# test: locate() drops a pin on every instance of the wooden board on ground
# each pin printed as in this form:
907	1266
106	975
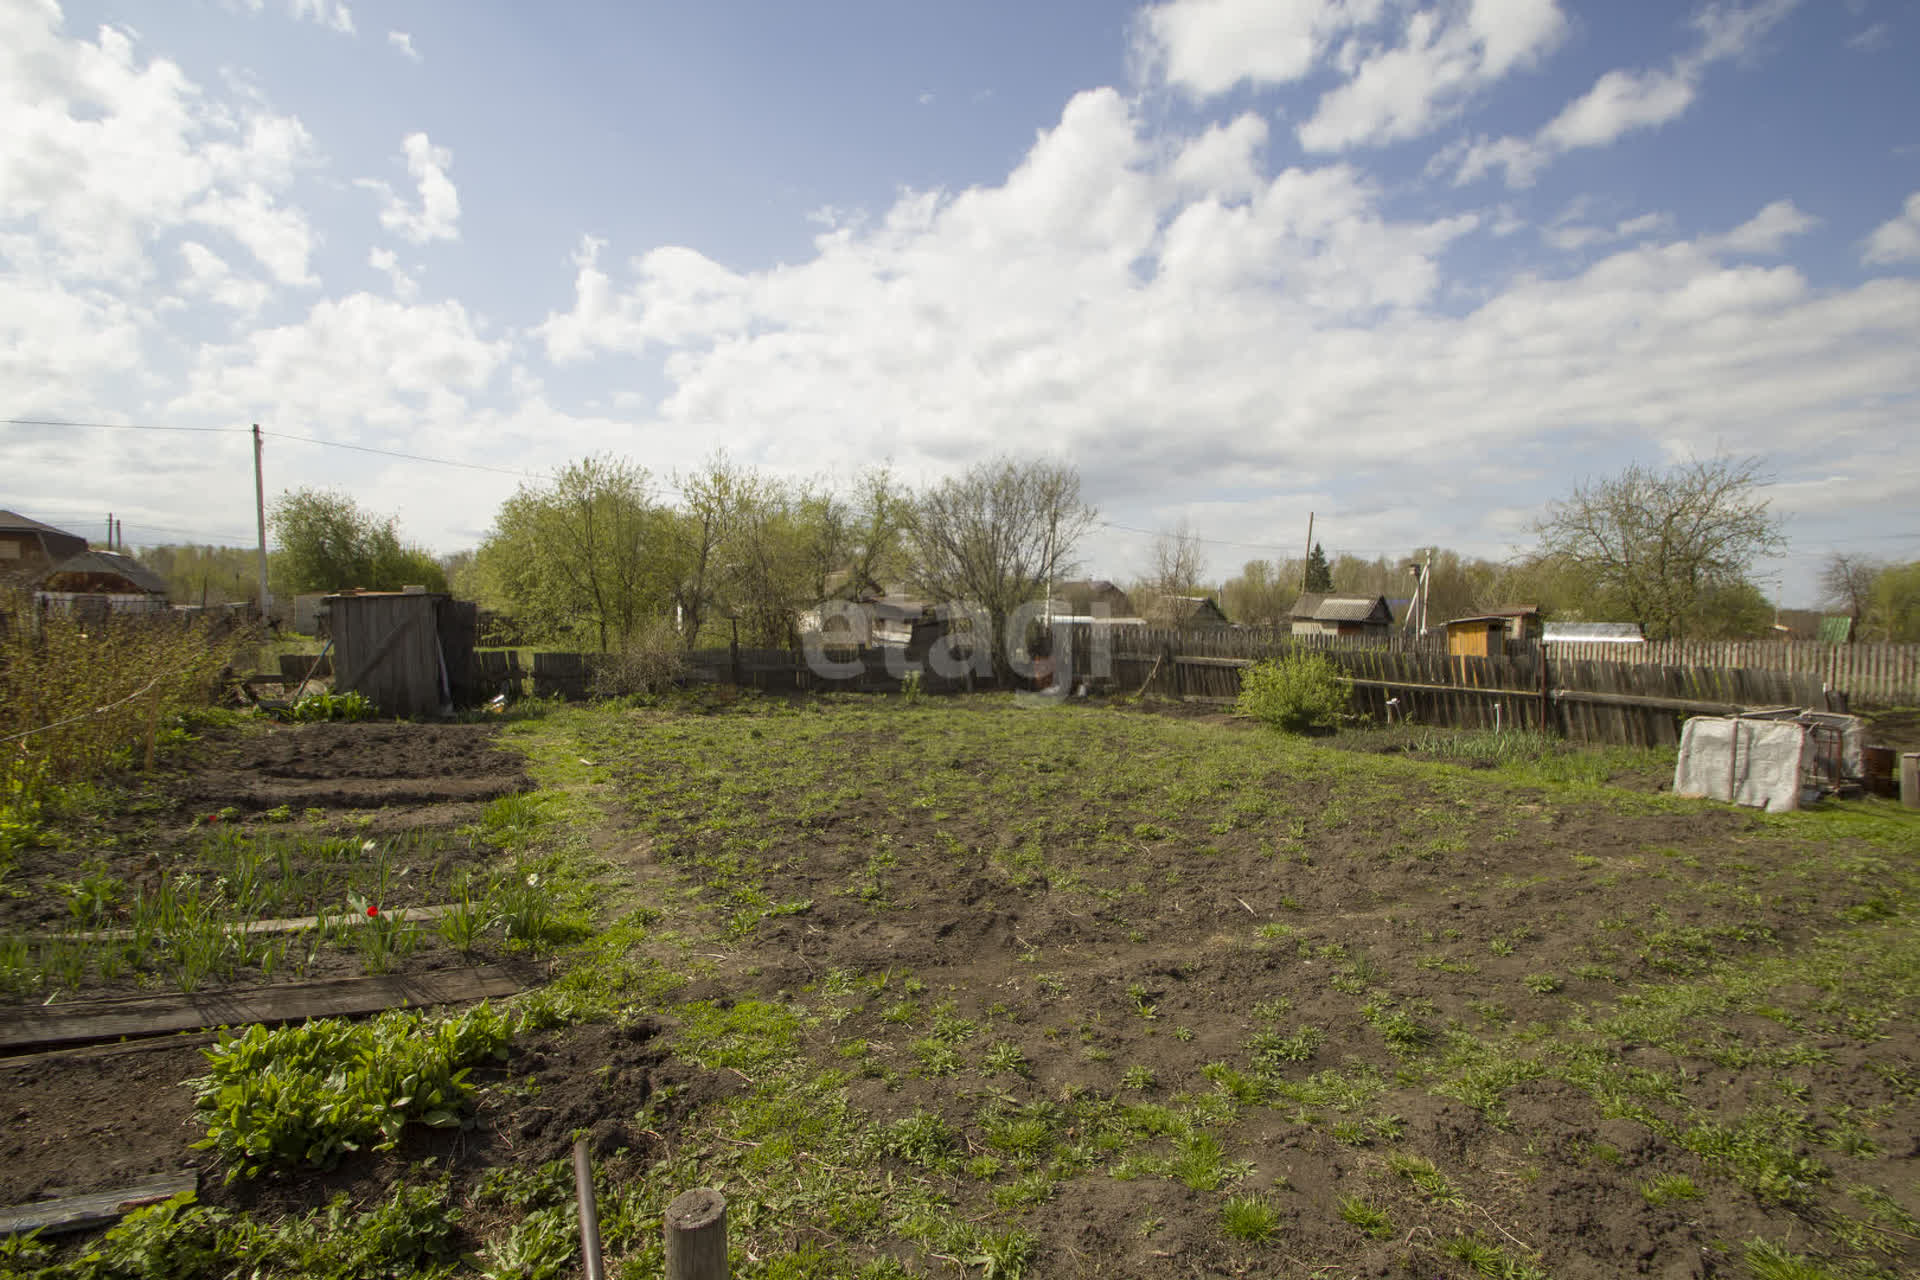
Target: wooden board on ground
95	1209
83	1022
294	924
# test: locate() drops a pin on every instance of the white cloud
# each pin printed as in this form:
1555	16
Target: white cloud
1872	39
1101	305
1398	83
1766	234
355	359
1444	57
438	217
387	262
1622	102
209	276
1897	240
1225	160
327	13
1206	47
403	42
105	154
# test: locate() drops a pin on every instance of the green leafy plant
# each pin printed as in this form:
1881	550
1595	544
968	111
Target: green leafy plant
1294	693
311	1093
1369	1218
315	708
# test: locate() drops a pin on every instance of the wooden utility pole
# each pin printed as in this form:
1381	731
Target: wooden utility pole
260	515
1306	564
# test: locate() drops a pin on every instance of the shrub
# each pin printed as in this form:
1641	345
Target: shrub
1294	693
649	662
80	697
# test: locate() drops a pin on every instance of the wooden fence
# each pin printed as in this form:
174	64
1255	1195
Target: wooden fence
1554	688
1878	673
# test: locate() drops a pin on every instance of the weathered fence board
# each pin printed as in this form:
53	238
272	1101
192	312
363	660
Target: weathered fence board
1873	672
50	1026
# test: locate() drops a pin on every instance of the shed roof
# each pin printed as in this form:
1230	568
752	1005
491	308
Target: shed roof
112	562
1614	632
1351	609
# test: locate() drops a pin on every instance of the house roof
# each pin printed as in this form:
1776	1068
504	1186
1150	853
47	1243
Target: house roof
1480	617
111	563
14	522
1349	609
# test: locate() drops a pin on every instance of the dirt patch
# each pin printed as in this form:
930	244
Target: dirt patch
359	766
77	1123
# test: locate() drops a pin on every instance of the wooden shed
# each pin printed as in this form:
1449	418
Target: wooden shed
1491	635
409	652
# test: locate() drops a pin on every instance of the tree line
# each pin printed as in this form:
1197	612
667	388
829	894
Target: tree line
607	555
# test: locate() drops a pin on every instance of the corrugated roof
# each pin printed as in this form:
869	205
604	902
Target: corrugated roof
1625	632
112	562
1351	609
1306	603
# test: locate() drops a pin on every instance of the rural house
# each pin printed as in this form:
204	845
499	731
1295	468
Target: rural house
1084	596
1315	614
96	583
28	549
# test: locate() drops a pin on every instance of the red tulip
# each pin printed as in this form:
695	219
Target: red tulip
373	911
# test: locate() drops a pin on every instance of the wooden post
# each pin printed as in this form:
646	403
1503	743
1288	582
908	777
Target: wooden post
153	725
733	651
1546	690
696	1226
1910	779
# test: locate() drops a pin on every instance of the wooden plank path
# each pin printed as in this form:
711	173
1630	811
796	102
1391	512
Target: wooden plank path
97	1208
88	1021
288	924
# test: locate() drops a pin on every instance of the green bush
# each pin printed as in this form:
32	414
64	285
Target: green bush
1294	693
309	1094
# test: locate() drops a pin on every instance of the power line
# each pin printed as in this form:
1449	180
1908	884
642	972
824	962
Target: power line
410	457
111	426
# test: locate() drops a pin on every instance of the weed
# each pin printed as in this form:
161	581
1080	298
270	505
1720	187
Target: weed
1137	1078
1669	1188
1372	1220
1488	1259
1425	1178
1541	984
1250	1218
1006	1058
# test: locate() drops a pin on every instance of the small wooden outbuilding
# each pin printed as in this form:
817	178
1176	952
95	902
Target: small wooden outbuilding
409	652
1489	635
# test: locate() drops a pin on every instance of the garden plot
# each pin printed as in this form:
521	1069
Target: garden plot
1155	996
314	852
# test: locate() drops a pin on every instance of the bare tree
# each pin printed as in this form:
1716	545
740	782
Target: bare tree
1178	563
1657	542
996	536
1846	584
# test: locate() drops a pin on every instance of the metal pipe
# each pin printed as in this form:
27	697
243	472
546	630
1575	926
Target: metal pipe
589	1215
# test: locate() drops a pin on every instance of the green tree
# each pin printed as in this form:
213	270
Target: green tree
326	542
204	574
1263	593
590	553
1658	542
1319	572
1893	608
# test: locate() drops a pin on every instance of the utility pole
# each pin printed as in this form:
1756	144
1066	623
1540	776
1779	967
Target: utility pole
1306	561
260	514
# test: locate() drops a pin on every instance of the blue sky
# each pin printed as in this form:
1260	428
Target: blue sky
1417	266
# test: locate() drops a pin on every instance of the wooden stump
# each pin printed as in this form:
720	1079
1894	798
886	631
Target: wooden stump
696	1226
